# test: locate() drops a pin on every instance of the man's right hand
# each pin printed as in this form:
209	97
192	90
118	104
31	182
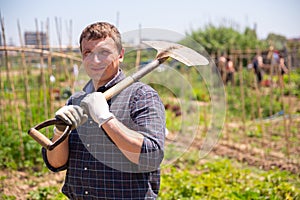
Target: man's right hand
72	115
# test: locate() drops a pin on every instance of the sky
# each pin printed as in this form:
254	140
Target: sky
270	16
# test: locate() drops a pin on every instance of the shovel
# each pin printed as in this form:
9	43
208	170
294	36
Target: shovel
164	49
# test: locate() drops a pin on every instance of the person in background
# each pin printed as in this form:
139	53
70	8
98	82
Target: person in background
116	147
222	67
282	70
230	70
257	65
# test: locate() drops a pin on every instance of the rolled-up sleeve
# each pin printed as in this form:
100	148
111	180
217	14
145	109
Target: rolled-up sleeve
147	111
49	166
44	152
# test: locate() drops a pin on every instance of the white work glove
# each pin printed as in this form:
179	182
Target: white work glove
96	105
72	115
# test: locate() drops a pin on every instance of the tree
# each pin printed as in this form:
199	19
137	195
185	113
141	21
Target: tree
277	41
214	39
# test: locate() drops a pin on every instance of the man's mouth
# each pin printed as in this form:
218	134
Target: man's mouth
98	68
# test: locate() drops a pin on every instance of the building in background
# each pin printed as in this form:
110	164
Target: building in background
33	39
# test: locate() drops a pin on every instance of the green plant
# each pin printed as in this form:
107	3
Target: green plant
7	197
45	193
221	179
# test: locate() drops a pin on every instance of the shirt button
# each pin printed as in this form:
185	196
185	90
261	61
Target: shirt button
86	192
91	122
88	145
85	168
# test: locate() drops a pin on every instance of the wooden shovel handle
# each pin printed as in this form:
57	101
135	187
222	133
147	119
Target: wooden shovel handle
42	139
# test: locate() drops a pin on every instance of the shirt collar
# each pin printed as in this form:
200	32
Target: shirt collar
89	87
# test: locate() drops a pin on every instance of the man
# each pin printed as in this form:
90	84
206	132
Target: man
115	148
258	65
230	70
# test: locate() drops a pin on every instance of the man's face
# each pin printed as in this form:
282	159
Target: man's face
101	59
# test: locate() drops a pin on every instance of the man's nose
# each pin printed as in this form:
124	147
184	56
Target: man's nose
96	58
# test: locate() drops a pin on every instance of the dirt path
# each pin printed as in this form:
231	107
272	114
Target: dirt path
19	184
256	157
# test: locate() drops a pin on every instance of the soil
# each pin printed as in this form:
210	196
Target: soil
19	184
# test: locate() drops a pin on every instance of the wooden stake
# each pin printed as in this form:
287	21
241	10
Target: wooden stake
252	77
242	92
286	134
289	112
44	88
24	72
138	52
17	111
59	35
259	109
72	77
50	71
271	84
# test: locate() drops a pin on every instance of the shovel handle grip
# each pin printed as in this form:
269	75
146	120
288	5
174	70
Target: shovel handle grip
42	139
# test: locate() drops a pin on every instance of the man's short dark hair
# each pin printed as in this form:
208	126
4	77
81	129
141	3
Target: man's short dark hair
101	30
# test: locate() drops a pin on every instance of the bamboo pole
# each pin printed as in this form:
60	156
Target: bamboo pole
242	92
11	82
24	72
271	57
289	112
138	52
50	70
259	109
228	92
39	51
252	77
44	88
286	134
59	35
70	48
271	84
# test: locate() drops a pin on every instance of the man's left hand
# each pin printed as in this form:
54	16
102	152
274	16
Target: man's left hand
96	105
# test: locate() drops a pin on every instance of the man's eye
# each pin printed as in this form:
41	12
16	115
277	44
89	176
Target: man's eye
102	53
105	52
86	53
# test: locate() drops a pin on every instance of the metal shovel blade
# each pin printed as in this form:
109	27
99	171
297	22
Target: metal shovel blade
179	52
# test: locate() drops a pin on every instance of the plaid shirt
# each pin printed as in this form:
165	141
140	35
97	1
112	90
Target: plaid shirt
96	168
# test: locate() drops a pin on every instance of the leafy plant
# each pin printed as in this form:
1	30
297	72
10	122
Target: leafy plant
46	193
221	179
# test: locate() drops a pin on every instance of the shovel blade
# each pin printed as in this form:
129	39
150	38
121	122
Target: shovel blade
179	52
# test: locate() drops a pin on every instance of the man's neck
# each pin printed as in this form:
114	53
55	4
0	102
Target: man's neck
104	83
99	84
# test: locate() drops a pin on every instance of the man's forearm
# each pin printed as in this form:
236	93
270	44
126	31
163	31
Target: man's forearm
128	141
59	155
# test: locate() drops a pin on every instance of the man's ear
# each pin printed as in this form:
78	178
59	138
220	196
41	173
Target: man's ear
121	55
